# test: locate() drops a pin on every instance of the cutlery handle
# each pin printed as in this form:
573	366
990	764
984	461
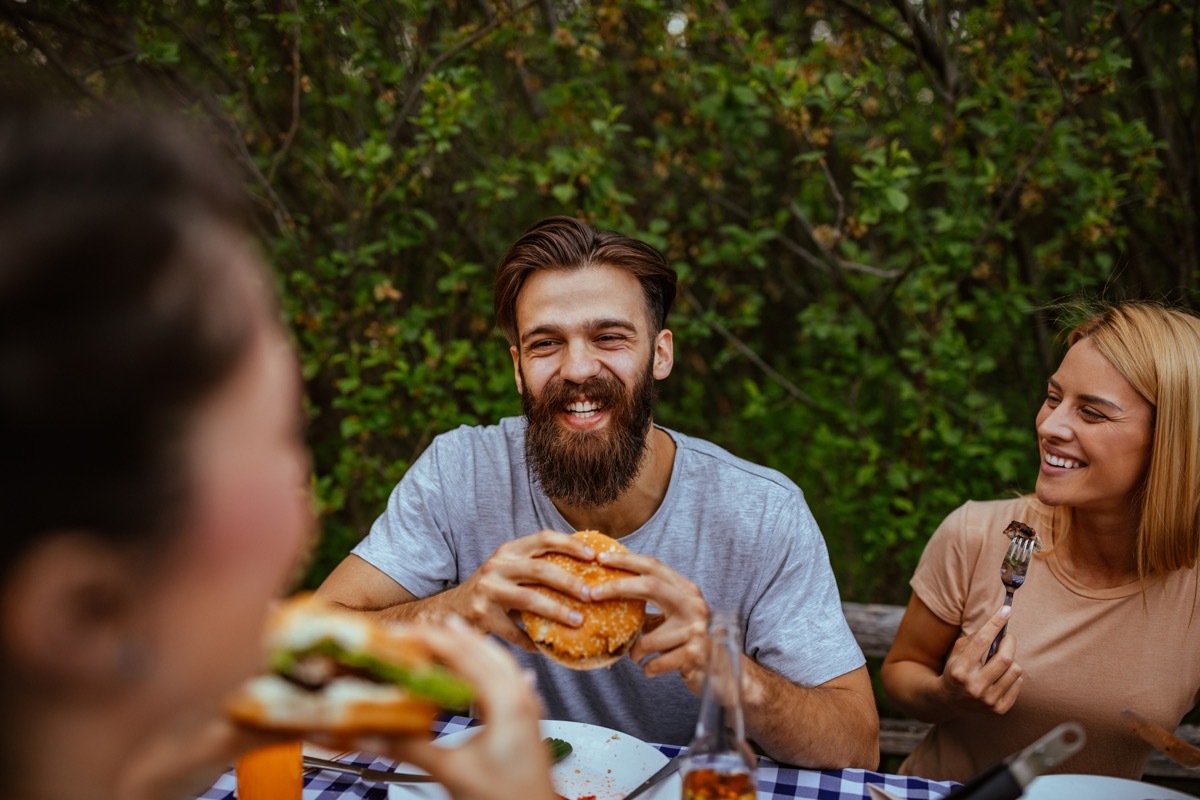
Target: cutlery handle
1008	598
996	643
994	783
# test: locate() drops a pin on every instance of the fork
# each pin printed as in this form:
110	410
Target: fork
1012	575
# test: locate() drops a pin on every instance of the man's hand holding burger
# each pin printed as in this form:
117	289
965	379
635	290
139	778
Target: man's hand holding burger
502	587
674	639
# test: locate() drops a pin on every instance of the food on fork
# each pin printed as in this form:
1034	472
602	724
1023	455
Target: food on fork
610	627
1016	529
342	673
1023	542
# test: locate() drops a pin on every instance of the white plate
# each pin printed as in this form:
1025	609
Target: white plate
604	763
1097	787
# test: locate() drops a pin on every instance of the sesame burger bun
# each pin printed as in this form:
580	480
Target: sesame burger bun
343	674
610	627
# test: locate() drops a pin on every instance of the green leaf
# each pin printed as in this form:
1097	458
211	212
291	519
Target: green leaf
896	198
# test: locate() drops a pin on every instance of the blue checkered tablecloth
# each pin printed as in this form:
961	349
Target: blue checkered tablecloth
775	781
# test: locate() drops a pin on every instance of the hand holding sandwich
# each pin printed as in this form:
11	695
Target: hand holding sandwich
501	588
674	639
507	759
351	682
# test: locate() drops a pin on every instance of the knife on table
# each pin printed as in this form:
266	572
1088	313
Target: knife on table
367	773
667	769
558	750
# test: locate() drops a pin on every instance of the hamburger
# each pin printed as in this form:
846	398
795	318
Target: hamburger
342	673
610	627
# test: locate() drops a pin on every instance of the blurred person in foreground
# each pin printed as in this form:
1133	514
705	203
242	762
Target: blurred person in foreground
154	475
1107	616
584	312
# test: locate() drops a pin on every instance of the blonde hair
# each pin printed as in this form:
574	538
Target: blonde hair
1157	349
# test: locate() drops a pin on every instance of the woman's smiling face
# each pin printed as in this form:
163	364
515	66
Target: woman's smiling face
1094	435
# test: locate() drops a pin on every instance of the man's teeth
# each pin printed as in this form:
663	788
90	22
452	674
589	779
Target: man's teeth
1068	463
584	409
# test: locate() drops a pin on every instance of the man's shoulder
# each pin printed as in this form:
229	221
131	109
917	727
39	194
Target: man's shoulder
727	468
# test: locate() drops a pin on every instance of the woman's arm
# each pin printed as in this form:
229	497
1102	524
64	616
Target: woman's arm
933	674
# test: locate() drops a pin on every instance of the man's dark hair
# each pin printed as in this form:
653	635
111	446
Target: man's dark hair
119	315
566	243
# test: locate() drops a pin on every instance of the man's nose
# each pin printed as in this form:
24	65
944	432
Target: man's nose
579	363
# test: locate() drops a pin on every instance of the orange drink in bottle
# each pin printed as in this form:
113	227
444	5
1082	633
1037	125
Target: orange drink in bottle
271	773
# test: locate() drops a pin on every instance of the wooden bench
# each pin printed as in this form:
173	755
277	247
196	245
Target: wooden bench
874	626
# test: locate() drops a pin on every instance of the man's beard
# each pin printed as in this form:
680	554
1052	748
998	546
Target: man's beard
587	469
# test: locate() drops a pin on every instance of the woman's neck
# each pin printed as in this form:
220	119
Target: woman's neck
1101	551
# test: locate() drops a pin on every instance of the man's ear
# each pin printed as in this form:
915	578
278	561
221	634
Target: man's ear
664	354
67	615
515	352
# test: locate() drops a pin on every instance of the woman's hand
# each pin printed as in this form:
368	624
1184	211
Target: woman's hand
933	673
974	683
506	760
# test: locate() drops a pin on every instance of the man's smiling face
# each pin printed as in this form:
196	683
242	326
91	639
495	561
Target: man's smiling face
585	362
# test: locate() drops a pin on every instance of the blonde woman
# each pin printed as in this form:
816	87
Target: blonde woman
1106	618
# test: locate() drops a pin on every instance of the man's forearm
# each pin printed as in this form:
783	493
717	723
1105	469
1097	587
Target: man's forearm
358	585
434	608
832	726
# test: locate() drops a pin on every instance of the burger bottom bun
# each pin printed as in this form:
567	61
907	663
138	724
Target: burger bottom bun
610	628
585	662
346	707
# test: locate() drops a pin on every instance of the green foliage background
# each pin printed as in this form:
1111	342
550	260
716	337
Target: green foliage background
874	209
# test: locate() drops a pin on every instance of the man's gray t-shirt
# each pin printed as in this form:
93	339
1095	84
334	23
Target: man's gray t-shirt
741	532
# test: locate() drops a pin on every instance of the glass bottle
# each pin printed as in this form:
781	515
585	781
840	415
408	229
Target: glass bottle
719	764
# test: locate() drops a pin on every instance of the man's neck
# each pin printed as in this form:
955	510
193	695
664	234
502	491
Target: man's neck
639	502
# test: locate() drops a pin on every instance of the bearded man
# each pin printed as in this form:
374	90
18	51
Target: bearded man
585	314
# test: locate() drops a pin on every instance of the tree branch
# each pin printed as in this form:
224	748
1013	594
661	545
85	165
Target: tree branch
414	93
743	348
290	136
929	51
26	31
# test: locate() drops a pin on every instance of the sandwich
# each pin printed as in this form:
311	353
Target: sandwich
610	627
343	673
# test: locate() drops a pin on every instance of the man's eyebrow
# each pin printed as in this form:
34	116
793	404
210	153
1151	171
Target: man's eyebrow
591	325
1088	398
